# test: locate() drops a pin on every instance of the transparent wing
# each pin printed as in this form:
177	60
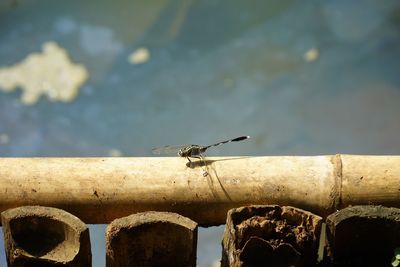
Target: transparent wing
167	150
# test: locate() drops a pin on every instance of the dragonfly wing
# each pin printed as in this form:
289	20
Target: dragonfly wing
167	150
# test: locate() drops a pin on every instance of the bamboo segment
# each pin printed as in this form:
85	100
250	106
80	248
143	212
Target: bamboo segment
44	236
363	236
151	239
99	190
270	235
370	180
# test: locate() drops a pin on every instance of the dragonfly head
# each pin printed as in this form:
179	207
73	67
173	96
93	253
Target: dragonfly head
185	152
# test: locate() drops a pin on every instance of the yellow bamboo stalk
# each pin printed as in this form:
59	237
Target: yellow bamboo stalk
99	190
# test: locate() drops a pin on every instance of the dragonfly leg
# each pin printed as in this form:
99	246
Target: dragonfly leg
205	172
203	163
197	157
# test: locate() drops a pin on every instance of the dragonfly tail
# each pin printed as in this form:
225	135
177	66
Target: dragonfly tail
237	139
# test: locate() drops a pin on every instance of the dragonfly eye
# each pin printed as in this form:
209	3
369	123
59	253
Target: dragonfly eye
180	152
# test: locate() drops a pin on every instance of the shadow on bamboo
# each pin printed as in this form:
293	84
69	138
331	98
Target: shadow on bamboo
208	165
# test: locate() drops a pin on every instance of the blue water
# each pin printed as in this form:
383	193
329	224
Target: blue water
217	69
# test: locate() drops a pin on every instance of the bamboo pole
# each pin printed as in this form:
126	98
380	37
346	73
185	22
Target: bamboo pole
99	190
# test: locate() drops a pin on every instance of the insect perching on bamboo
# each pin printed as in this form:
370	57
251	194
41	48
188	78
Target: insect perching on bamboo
194	151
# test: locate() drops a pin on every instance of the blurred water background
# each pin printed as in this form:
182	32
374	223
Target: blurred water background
299	77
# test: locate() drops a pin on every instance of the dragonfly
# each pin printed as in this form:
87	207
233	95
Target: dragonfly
193	151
